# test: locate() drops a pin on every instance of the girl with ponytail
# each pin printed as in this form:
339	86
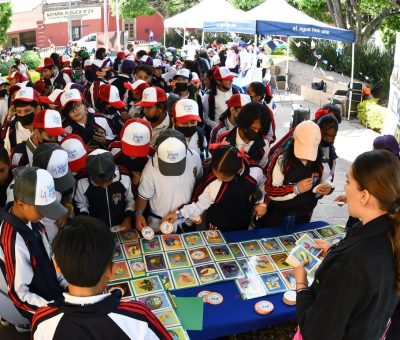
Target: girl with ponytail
357	286
230	192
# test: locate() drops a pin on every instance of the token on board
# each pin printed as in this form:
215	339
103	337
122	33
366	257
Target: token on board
203	294
214	298
263	307
167	227
289	297
148	233
138	266
116	228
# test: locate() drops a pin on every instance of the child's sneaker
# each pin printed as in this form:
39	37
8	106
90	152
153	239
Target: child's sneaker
23	328
4	322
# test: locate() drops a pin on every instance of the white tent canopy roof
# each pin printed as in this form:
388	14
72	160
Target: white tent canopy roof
207	10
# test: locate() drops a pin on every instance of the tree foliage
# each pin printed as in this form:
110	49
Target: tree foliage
5	21
246	5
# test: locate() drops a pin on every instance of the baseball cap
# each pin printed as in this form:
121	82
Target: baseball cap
186	109
53	158
387	142
77	152
85	54
50	121
26	94
53	98
152	96
223	73
100	165
195	78
307	137
121	55
138	86
146	59
65	59
17	76
72	95
154	49
36	186
184	73
238	100
87	63
14	88
98	64
157	63
47	62
109	93
135	138
171	153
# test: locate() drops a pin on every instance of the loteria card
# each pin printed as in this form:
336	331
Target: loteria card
326	232
262	264
167	317
137	266
165	278
312	233
208	273
177	259
341	229
271	245
172	242
236	250
132	250
247	268
128	235
123	287
300	254
308	243
199	255
288	242
280	261
120	271
251	287
252	248
193	240
274	283
155	301
151	246
336	239
178	333
118	253
155	262
147	285
230	269
221	252
184	278
213	236
288	278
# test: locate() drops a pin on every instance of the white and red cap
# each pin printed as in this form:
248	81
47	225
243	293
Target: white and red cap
50	121
157	63
184	73
65	60
26	94
53	98
18	76
87	63
238	100
72	95
76	150
138	86
152	96
135	138
195	78
185	110
46	63
98	64
223	73
109	94
146	59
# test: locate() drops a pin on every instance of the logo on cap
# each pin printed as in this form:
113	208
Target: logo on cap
48	194
172	155
146	95
187	107
137	138
56	120
68	95
58	170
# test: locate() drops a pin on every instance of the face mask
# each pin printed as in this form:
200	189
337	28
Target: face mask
188	131
152	119
110	111
180	87
325	144
27	119
108	74
250	134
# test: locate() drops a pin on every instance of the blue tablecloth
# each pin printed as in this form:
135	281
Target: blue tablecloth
235	315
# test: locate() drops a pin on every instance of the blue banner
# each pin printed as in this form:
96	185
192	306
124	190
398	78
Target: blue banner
245	26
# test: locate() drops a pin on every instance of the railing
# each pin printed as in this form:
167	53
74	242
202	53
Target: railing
47	51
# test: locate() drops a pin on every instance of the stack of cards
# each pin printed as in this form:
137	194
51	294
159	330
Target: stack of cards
300	254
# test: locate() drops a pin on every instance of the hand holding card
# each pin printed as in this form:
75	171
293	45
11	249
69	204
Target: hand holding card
300	255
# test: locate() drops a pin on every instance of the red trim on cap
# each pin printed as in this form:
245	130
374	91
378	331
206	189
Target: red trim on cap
135	150
146	104
78	164
118	104
184	119
55	132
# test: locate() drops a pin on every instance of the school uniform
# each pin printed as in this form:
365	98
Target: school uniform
93	92
160	82
214	106
22	154
97	317
110	204
130	163
119	82
156	131
194	143
221	128
15	134
353	294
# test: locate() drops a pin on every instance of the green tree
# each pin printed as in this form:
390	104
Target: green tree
246	5
5	21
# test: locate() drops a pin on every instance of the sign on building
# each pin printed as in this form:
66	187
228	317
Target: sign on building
86	13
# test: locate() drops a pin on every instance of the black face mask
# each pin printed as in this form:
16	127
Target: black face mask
180	87
188	131
27	119
152	119
250	134
110	111
325	144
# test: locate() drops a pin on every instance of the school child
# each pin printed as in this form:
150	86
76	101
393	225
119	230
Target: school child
83	253
25	254
127	68
227	121
94	129
16	77
167	180
154	103
144	72
24	105
157	79
77	153
52	101
134	96
186	119
329	127
293	178
252	124
51	75
229	194
47	127
5	175
104	191
101	72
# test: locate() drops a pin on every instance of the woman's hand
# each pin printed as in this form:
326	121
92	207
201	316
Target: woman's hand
322	245
260	210
171	217
305	184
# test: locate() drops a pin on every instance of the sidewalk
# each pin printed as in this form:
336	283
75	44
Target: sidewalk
352	139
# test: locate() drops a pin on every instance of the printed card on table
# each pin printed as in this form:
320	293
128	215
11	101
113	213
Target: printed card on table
221	252
177	259
252	248
213	237
172	242
155	262
208	273
271	245
138	267
236	250
326	232
230	269
147	285
311	233
167	317
262	264
341	229
308	243
251	287
280	261
199	255
151	246
165	277
193	240
118	254
120	271
289	278
128	235
336	239
178	333
274	283
247	268
300	254
132	250
288	241
184	278
155	301
123	287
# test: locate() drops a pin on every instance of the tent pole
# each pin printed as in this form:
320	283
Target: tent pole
351	79
287	64
184	36
164	36
202	38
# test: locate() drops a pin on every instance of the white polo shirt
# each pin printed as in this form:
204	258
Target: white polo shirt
156	131
168	193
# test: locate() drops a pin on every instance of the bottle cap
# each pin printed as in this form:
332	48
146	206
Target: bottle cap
137	266
148	233
203	294
289	298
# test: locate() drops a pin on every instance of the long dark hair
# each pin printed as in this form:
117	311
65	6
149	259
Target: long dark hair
250	113
226	159
260	90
